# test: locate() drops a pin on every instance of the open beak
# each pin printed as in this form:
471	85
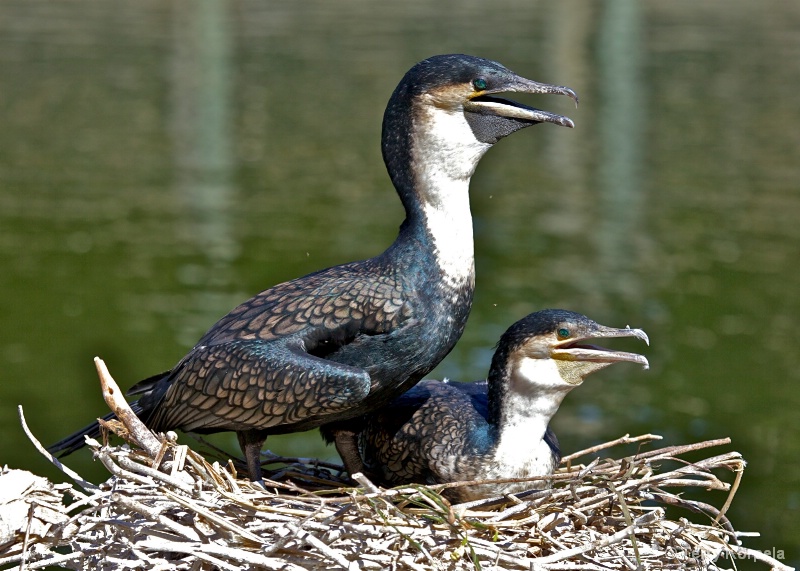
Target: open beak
484	103
577	350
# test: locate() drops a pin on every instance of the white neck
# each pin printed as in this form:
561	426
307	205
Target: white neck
451	231
535	392
445	155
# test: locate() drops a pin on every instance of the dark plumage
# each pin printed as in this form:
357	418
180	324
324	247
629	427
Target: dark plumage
335	344
440	432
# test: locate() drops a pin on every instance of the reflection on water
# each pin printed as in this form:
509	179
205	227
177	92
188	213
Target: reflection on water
619	185
204	164
162	162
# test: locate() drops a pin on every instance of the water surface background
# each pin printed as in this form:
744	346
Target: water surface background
162	161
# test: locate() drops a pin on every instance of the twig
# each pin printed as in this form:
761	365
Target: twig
324	549
115	400
627	514
155	516
757	555
731	494
196	550
56	559
692	505
53	460
166	479
364	481
627	439
671	451
27	537
212	517
645	519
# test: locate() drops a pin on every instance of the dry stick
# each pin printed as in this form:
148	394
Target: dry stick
644	519
54	560
627	439
268	457
119	472
200	468
318	544
233	487
115	400
410	489
500	498
763	557
671	451
27	537
366	483
53	460
731	460
292	487
161	477
90	501
190	549
165	445
521	507
178	459
275	459
212	517
688	483
626	512
734	487
693	506
154	515
127	542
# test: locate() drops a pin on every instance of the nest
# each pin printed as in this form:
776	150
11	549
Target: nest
166	506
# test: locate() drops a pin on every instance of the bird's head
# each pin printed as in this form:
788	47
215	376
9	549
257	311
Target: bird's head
553	349
445	114
468	86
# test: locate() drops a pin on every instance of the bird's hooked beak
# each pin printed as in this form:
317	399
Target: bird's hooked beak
575	348
483	102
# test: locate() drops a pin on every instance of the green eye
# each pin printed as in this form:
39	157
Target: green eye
479	84
563	333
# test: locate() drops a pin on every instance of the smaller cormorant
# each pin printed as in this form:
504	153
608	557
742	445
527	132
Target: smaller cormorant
441	431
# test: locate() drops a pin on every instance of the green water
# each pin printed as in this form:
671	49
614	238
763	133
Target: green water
161	162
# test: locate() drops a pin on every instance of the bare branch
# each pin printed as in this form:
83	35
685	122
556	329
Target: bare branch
115	400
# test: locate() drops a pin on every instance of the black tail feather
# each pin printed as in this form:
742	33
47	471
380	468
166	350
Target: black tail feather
77	440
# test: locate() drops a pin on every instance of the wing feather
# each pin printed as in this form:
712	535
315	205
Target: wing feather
245	385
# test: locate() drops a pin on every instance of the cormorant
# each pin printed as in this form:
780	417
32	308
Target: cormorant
340	342
441	431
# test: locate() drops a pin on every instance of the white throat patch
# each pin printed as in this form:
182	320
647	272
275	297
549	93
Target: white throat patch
445	156
535	392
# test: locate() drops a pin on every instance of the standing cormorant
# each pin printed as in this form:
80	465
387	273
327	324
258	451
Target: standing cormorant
440	432
343	341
